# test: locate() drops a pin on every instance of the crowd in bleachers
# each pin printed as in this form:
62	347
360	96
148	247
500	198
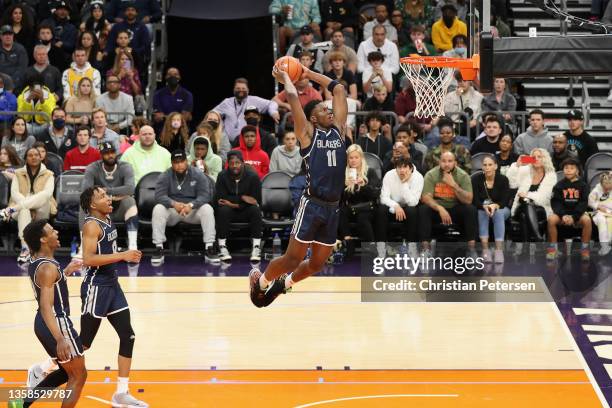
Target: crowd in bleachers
471	172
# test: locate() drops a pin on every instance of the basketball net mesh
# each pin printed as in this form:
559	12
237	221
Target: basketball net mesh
430	85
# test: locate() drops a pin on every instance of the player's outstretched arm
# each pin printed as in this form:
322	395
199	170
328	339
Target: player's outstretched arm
339	103
46	276
300	122
91	234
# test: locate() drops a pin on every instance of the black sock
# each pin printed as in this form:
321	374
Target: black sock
53	380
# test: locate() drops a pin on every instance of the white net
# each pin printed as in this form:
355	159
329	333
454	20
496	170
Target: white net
430	85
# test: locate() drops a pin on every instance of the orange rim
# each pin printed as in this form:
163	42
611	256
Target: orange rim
468	66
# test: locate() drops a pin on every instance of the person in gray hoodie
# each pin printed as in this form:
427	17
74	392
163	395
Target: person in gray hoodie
201	155
183	194
536	135
286	157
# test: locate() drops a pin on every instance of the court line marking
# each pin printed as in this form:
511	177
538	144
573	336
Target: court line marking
253	382
580	356
312	404
99	400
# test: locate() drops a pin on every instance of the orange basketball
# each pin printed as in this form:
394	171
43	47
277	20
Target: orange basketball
291	66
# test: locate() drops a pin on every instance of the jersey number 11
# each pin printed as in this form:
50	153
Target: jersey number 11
331	158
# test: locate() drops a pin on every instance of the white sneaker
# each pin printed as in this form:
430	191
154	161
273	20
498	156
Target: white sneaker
35	376
224	254
413	251
126	400
486	255
499	256
255	254
605	249
24	255
381	249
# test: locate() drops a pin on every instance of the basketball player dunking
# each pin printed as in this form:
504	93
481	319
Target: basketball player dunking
321	135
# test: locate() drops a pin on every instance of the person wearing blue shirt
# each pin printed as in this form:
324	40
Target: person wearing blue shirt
140	40
8	102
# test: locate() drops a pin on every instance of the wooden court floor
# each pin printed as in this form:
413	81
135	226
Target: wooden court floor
369	354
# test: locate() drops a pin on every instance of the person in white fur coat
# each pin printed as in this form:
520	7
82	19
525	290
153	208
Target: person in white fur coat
535	182
600	200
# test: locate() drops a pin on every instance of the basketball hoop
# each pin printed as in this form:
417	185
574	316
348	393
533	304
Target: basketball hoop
430	78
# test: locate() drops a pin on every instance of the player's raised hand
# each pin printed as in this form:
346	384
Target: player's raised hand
132	256
280	76
73	266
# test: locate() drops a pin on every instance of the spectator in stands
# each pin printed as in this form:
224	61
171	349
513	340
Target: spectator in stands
503	29
9	162
140	39
490	143
203	130
536	135
374	141
88	41
172	98
100	131
296	14
79	69
447	198
350	56
8	103
127	142
57	137
148	11
306	58
18	137
97	22
405	101
535	183
307	44
175	134
54	166
36	97
569	204
80	106
253	155
183	194
500	100
286	157
146	156
399	151
578	140
57	57
418	43
20	21
419	12
380	19
128	75
600	200
83	154
446	28
31	196
492	200
358	201
404	147
560	151
232	109
379	101
339	15
339	71
64	32
397	20
237	196
219	139
375	74
506	155
379	43
464	99
268	141
306	93
459	50
52	77
461	7
447	144
115	101
122	43
117	178
13	56
203	157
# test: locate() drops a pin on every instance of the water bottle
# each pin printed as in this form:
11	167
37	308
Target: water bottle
74	247
276	246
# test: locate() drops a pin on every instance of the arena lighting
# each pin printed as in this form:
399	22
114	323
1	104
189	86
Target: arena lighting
552	9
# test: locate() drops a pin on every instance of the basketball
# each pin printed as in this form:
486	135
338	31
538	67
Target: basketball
291	66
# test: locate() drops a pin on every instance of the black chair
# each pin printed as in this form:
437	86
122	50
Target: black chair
145	197
560	175
374	163
594	180
55	163
597	162
477	161
276	199
67	194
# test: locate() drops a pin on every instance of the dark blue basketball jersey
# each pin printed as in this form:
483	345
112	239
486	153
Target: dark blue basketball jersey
325	163
105	275
61	304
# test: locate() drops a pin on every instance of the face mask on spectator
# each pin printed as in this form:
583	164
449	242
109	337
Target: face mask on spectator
460	50
59	123
172	81
213	124
252	121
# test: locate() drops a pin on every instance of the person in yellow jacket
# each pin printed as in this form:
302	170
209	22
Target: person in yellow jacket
79	69
443	30
36	97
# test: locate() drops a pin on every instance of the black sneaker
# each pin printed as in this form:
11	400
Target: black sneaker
158	257
275	289
257	294
211	256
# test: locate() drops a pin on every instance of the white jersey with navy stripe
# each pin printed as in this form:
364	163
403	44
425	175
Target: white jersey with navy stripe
325	164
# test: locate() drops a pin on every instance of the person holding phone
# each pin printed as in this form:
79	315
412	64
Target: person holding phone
534	176
36	97
128	75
